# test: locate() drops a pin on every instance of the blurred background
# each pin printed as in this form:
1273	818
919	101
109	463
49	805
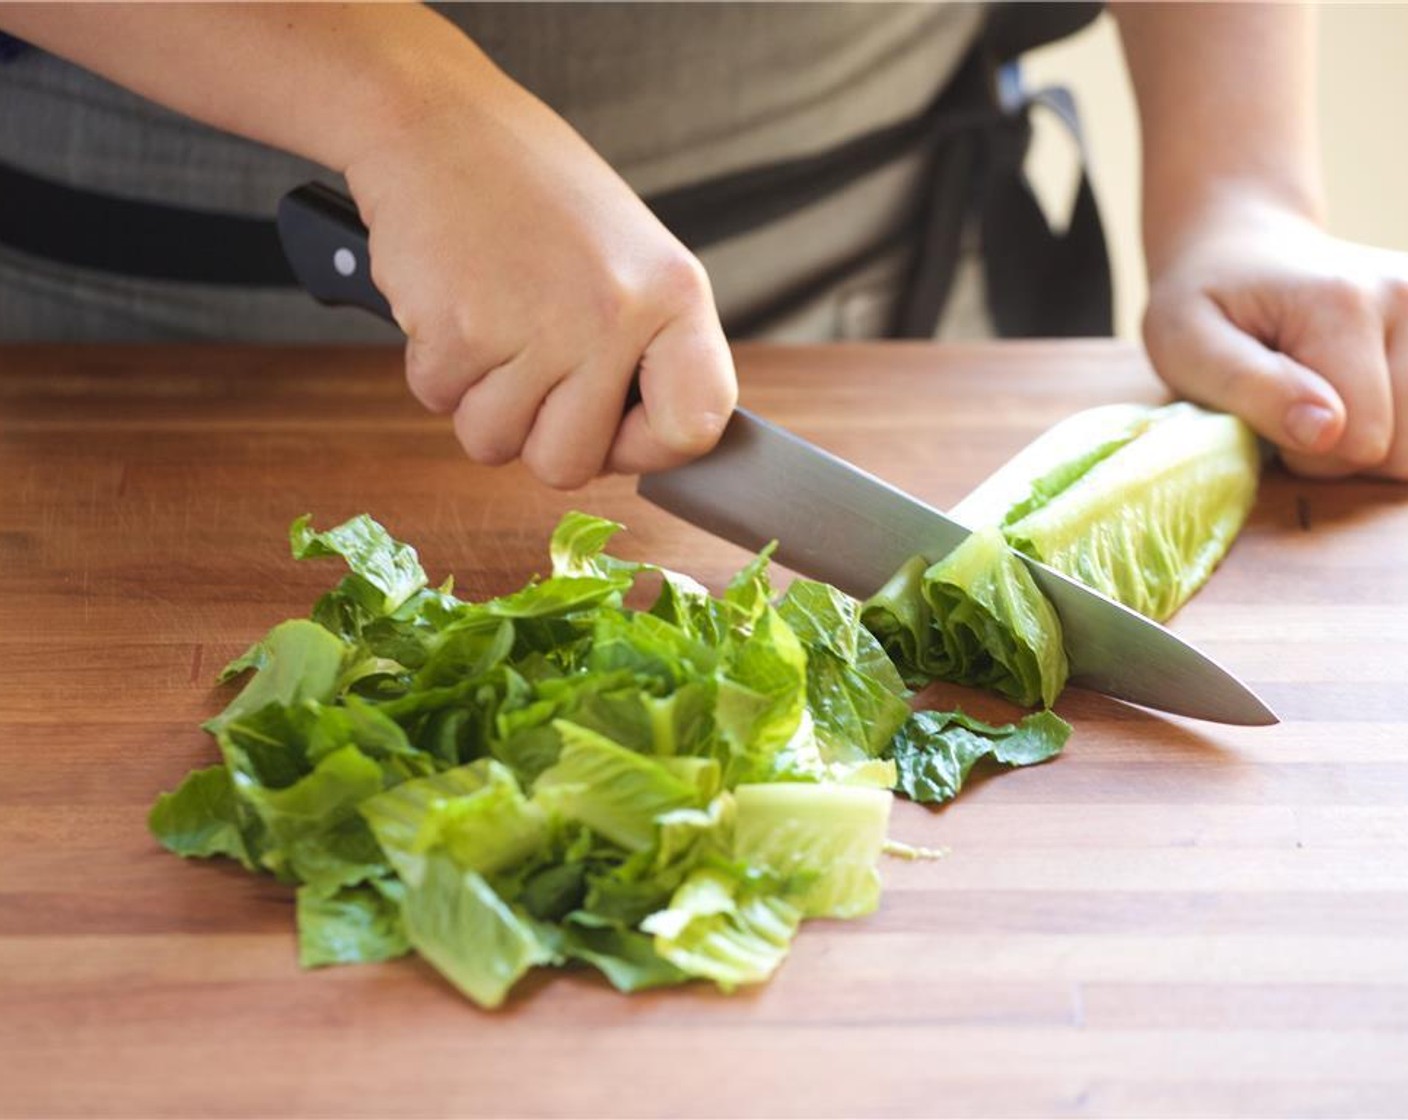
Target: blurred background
1363	86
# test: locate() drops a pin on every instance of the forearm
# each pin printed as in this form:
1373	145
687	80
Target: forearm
1226	98
534	287
318	80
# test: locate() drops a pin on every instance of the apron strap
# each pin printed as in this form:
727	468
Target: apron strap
1040	282
132	237
152	240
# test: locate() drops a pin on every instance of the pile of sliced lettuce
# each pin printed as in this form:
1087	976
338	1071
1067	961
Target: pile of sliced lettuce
1138	502
553	777
556	778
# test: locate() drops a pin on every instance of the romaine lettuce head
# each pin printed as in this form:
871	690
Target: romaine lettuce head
1051	462
1147	525
976	617
1140	503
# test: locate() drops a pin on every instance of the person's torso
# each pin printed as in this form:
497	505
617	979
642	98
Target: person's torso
670	94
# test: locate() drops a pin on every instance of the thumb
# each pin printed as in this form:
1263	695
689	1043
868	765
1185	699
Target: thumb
1208	359
688	389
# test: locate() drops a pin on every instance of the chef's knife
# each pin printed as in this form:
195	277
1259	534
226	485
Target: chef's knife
831	520
835	522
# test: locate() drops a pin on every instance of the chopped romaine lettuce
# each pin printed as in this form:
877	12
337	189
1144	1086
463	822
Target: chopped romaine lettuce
551	777
975	617
934	751
1139	503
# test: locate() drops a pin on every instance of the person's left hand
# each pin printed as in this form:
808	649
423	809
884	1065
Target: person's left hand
1259	312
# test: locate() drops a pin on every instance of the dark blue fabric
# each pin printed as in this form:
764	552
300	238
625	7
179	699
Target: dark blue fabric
10	47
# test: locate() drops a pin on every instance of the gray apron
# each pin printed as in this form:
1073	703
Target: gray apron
709	111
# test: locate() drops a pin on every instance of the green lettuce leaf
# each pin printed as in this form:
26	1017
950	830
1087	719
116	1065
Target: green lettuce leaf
686	604
355	925
1148	525
312	831
975	617
724	930
825	618
620	895
761	696
855	694
296	661
626	958
577	549
935	751
385	572
613	791
821	842
469	647
355	722
200	818
475	813
456	921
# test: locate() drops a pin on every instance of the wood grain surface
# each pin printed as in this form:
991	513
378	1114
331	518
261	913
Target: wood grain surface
1173	918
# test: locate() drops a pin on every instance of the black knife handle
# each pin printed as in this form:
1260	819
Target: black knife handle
326	246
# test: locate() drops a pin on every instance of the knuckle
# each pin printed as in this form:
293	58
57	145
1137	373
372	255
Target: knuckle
680	279
1396	297
612	301
488	453
699	431
1343	297
463	321
1367	445
556	472
1170	334
425	379
441	367
484	443
671	282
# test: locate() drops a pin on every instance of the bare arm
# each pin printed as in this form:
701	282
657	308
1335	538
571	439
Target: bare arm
1226	97
1253	307
314	79
530	280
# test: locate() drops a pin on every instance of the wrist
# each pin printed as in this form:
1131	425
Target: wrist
427	65
1225	206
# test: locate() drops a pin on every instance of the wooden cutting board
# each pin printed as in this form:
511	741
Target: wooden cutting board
1172	918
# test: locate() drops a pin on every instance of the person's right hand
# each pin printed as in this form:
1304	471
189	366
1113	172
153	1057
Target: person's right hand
533	286
531	282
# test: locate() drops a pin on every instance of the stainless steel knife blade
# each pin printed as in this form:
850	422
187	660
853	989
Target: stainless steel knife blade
835	522
832	521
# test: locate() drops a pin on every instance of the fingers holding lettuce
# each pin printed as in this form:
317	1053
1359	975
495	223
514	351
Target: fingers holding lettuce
1305	336
1253	307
